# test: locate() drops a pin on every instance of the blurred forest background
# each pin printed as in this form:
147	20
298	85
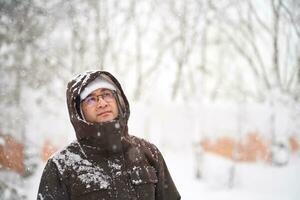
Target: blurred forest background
172	56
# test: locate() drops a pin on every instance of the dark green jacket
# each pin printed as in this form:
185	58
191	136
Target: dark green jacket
105	162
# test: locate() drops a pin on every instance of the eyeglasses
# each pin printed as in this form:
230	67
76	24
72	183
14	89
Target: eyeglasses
107	96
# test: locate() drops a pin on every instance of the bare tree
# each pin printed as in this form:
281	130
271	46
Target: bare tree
102	34
269	69
19	69
184	37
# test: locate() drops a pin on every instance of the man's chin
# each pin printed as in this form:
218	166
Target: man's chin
105	119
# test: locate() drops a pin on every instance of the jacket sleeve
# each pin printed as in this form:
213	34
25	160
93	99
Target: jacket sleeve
51	185
165	188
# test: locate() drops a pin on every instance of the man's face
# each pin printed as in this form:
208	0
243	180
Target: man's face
100	106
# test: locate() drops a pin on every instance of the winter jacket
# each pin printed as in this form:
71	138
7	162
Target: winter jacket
105	162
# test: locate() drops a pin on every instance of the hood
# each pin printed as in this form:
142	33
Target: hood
106	134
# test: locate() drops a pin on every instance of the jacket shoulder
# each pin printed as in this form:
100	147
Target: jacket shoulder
150	150
142	142
66	157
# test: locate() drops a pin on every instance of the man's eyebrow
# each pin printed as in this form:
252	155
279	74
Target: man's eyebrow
89	95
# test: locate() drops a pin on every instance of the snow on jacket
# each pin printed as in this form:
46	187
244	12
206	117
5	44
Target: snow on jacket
105	162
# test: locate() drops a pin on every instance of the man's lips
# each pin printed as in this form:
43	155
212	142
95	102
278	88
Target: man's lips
104	113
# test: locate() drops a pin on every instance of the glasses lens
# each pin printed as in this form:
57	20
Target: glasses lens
91	101
107	96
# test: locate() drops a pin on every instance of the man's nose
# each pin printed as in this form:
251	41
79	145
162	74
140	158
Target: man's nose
101	102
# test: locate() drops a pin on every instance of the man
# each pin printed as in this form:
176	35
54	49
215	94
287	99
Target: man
105	162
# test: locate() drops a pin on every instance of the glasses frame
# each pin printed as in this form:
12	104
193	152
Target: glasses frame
107	96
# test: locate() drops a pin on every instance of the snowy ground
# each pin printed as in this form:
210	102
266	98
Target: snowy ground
252	181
